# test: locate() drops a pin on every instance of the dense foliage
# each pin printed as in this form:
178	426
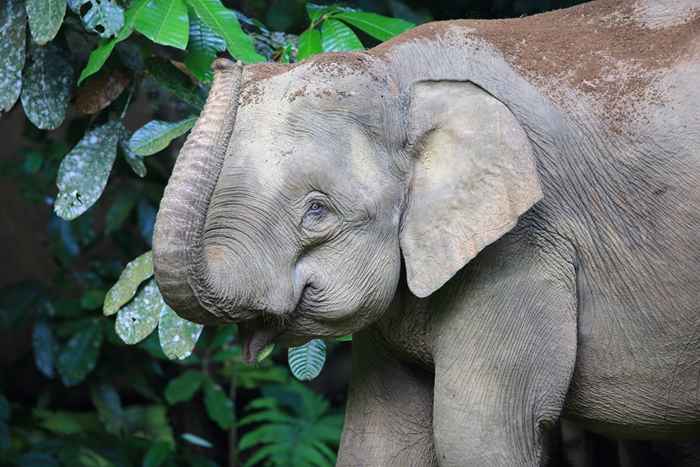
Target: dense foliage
86	66
108	88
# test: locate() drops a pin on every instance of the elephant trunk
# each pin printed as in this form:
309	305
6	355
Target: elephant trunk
181	268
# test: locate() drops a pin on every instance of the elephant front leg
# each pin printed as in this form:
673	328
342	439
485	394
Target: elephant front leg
388	420
504	358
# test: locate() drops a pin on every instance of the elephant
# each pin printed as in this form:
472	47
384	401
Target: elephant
504	214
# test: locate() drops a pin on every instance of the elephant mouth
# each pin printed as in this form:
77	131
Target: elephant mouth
255	337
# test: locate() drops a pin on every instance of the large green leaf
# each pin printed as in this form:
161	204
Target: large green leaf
45	347
99	56
306	361
377	26
202	49
103	17
156	135
165	22
183	387
177	335
45	18
157	454
171	78
309	44
79	356
125	288
219	406
140	316
47	83
337	37
13	24
83	173
225	23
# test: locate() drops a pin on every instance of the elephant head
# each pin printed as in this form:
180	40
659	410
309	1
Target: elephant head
302	187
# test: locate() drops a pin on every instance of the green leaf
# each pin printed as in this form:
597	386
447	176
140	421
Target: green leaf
13	24
177	335
140	317
99	56
150	422
378	26
219	406
92	299
61	423
309	44
47	84
164	22
265	352
337	37
157	454
156	135
109	408
347	338
119	211
125	288
177	82
45	18
79	356
134	160
103	17
45	348
37	459
202	49
196	440
184	387
225	23
306	361
83	173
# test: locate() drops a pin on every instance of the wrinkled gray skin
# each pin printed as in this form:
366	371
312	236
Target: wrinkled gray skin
512	236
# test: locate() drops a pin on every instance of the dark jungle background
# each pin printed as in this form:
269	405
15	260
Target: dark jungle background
72	393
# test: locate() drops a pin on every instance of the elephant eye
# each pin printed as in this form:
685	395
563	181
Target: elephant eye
316	209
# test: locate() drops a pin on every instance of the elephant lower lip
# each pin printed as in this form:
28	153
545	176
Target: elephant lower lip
254	339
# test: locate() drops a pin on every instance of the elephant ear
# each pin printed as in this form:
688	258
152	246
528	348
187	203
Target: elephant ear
474	174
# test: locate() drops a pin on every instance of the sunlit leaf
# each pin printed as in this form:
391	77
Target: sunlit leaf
45	347
104	17
265	352
138	318
156	135
337	37
13	23
83	173
99	56
177	335
309	44
196	440
164	22
219	406
202	49
45	18
125	288
378	26
79	356
224	22
183	387
306	361
171	78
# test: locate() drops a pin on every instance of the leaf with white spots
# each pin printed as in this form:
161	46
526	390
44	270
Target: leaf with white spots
306	361
125	288
83	173
45	18
140	317
156	135
13	24
47	82
177	336
79	356
103	17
